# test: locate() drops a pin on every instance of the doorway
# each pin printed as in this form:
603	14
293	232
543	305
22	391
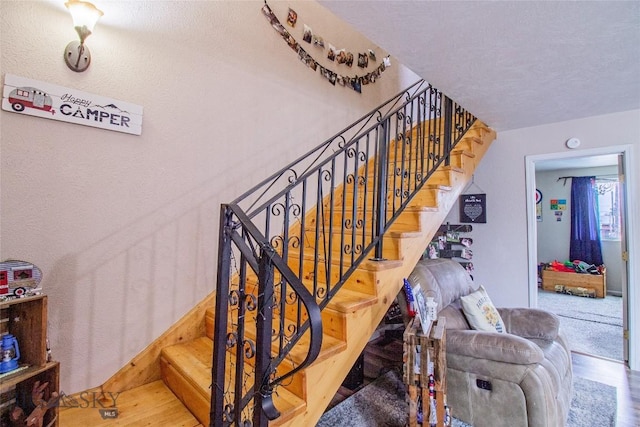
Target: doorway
554	166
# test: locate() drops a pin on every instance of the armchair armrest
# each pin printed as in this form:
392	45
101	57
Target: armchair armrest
531	323
493	346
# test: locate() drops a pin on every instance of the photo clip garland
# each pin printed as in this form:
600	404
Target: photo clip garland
334	78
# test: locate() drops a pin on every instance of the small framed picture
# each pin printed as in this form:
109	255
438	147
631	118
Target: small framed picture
292	17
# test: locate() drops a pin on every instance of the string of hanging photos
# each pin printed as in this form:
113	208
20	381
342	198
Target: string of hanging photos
340	56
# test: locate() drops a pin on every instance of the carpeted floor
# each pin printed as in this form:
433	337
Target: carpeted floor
592	325
382	404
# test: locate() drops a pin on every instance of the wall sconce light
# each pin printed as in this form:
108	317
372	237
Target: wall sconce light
85	15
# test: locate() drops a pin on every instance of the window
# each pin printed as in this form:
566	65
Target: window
609	207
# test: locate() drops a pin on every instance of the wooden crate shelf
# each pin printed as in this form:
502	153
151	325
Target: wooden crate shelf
26	319
421	350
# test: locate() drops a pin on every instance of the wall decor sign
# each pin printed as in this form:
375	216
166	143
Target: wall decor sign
41	99
473	208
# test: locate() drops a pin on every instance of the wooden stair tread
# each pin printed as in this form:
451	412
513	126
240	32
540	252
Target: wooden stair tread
309	255
152	404
464	152
348	301
438	187
421	209
193	360
382	265
453	168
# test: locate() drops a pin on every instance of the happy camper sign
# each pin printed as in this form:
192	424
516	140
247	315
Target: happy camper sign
40	99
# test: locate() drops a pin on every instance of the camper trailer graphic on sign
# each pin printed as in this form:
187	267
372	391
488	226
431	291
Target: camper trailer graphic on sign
18	278
45	100
30	97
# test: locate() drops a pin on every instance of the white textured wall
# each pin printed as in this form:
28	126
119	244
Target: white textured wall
125	227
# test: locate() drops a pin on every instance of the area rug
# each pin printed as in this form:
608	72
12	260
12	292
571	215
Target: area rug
592	325
382	404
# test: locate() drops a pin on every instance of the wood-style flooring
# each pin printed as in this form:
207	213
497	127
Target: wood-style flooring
615	374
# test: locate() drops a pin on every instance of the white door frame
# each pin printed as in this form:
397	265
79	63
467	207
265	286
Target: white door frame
633	266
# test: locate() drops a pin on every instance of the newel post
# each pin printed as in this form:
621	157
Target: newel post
216	416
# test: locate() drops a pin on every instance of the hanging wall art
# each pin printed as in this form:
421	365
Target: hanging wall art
473	205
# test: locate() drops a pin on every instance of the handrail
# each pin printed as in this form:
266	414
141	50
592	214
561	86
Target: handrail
288	245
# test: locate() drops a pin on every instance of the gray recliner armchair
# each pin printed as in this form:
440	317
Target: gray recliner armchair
519	378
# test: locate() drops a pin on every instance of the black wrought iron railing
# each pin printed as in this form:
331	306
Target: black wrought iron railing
289	244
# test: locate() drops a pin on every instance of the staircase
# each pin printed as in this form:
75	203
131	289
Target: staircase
310	261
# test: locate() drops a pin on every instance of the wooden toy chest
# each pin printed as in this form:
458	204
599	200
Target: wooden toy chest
596	282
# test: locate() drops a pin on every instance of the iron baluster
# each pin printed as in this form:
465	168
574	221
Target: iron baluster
448	128
381	193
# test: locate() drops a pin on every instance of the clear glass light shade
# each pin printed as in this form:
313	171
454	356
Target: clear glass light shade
84	14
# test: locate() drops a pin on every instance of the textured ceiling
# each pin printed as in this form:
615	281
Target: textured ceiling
513	64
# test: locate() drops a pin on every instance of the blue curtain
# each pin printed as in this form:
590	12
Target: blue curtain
585	221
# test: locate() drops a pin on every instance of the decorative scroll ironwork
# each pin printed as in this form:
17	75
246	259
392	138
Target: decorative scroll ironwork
288	245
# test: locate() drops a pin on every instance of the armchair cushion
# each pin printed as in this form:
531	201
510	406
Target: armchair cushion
493	346
531	323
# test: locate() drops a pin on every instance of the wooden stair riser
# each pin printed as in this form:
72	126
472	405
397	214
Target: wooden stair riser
189	395
428	197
